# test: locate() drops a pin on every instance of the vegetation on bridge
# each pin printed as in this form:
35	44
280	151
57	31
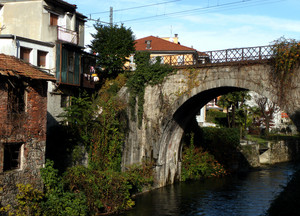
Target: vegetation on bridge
145	74
286	59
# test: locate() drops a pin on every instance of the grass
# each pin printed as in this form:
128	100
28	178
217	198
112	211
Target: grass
263	141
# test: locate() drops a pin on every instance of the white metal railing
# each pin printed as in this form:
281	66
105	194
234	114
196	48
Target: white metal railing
67	35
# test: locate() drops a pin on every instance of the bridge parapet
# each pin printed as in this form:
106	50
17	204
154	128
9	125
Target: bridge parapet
240	54
245	54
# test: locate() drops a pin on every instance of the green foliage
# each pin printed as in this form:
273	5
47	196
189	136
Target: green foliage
235	101
145	73
197	164
107	136
217	117
106	191
29	202
78	116
286	57
227	137
113	44
223	143
140	177
57	200
54	201
96	122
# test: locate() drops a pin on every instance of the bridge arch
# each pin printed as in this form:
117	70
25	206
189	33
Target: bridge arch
170	107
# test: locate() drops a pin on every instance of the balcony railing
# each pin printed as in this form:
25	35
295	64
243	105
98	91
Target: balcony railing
67	35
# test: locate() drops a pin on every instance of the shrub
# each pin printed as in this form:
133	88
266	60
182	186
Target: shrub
197	164
57	200
106	191
140	177
217	117
221	137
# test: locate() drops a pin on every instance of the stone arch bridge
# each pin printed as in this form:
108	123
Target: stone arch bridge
170	107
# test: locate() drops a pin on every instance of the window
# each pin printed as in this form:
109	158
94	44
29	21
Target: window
70	67
16	97
12	156
41	58
25	54
53	19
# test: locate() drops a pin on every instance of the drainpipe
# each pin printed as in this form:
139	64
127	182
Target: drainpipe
17	46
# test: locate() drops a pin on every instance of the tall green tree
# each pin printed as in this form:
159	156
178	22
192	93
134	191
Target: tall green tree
113	45
235	101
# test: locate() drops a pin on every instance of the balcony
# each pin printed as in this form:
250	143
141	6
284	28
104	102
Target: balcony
67	35
89	81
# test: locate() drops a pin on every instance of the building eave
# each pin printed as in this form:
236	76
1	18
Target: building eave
11	36
63	4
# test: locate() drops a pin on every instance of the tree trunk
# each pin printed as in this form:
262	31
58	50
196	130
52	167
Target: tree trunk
233	116
267	126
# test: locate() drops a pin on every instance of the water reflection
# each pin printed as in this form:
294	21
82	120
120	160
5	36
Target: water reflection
247	194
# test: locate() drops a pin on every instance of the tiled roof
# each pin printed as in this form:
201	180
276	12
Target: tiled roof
12	66
158	44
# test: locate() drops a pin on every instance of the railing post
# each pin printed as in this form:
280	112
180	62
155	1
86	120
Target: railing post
259	53
242	54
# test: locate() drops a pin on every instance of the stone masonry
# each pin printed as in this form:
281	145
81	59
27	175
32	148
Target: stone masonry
170	107
29	130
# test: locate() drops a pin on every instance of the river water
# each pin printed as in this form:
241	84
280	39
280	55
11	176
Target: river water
243	194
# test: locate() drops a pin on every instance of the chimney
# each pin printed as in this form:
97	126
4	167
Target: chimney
148	42
176	39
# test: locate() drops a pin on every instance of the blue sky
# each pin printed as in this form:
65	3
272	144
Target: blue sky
204	24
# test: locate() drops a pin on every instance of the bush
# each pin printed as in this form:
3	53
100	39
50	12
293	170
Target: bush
140	177
221	137
29	202
106	191
217	117
57	200
197	164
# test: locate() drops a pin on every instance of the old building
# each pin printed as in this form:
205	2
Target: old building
23	116
51	37
169	50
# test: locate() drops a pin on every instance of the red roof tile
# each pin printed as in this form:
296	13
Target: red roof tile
12	66
158	44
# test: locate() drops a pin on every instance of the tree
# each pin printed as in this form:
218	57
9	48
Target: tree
113	45
235	101
267	109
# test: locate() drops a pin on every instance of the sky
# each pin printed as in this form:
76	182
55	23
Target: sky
202	24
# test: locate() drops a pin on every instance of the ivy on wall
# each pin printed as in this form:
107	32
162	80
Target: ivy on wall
286	57
145	74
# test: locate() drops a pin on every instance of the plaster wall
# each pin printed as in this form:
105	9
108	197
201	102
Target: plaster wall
8	47
13	14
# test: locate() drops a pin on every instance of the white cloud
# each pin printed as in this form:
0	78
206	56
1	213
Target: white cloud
208	31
